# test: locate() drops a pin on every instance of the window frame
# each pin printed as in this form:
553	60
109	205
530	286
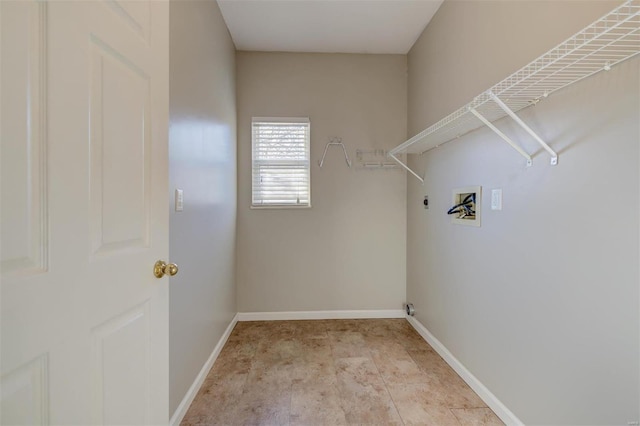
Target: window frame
277	120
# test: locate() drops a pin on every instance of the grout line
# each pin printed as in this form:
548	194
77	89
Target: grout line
335	369
386	387
454	415
290	401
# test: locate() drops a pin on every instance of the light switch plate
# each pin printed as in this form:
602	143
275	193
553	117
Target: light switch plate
179	200
496	199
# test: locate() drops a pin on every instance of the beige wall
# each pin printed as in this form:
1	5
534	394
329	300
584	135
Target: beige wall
348	251
203	163
541	302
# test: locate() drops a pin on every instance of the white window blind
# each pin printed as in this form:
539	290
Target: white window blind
280	162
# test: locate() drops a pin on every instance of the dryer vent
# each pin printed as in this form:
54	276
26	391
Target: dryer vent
409	309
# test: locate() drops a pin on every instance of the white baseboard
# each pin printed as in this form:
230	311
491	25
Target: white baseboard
197	383
314	315
485	394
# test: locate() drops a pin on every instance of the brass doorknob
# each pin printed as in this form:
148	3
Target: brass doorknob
162	268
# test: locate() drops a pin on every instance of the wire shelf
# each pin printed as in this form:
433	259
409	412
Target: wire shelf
608	41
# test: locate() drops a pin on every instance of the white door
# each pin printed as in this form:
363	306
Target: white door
84	212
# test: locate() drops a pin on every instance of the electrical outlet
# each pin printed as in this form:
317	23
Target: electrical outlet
496	199
179	200
425	202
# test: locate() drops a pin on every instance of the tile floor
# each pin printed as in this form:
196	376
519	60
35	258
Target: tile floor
333	372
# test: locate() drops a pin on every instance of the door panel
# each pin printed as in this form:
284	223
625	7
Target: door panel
122	343
23	167
120	137
136	14
84	212
24	394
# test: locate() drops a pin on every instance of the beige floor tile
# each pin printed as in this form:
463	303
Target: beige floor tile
476	417
316	349
364	396
229	363
215	397
348	344
310	330
314	372
230	383
459	394
428	415
422	404
251	330
257	405
277	375
316	404
413	342
452	390
387	346
344	325
196	421
378	328
395	364
430	362
240	345
400	370
428	393
279	349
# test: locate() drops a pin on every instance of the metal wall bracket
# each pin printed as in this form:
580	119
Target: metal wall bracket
335	141
510	113
407	168
502	135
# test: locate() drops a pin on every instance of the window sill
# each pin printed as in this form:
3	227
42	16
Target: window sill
280	207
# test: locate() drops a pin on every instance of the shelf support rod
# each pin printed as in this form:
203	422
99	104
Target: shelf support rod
510	113
405	167
506	138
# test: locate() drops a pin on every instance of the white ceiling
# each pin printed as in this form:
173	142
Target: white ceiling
336	26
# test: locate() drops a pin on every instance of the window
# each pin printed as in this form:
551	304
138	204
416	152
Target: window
280	157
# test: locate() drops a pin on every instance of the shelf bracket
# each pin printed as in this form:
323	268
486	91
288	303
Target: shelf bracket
337	142
407	168
506	138
510	113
